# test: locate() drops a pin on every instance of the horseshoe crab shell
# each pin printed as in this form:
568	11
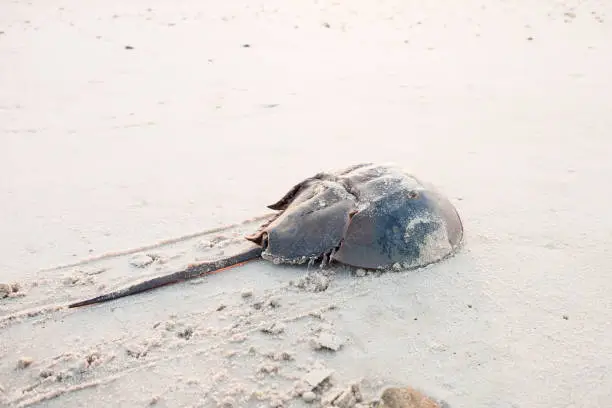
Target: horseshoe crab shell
368	216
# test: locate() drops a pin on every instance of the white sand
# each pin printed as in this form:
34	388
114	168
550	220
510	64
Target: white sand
504	105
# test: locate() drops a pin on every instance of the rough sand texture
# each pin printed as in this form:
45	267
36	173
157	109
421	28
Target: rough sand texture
127	123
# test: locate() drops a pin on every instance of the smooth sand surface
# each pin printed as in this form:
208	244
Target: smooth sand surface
123	124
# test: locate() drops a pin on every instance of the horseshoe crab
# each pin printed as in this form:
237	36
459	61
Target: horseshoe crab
367	216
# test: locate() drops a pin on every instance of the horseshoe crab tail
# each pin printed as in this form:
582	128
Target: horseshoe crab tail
192	271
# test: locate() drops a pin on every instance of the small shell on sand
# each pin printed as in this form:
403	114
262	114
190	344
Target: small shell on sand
24	362
316	377
327	341
407	397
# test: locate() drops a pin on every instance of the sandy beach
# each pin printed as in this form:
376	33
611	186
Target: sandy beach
138	137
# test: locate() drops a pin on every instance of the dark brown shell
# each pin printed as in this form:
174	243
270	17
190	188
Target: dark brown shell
369	216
